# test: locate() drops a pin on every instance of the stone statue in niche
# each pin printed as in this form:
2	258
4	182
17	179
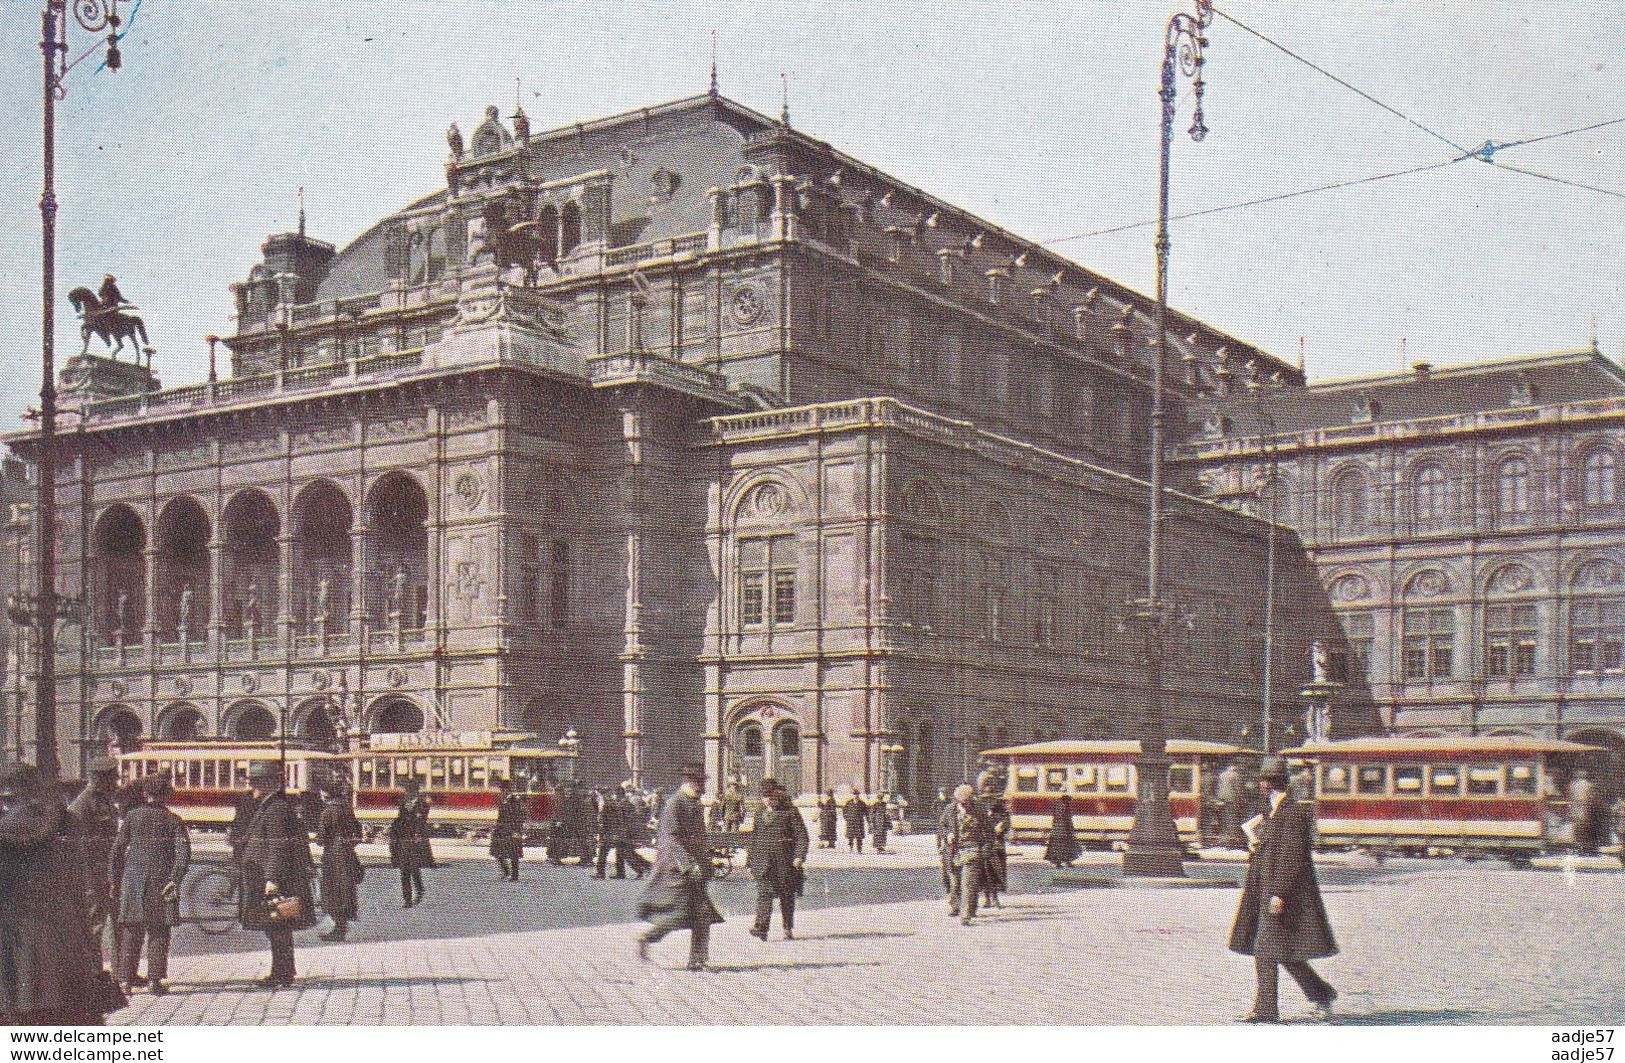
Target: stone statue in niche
323	592
183	620
251	610
121	612
397	591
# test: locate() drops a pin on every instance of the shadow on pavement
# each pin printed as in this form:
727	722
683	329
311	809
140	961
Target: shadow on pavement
1410	1017
752	968
253	985
857	934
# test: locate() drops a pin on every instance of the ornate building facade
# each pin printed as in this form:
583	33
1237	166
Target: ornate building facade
1468	525
682	429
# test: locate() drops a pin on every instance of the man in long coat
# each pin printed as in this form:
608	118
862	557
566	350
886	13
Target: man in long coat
676	898
96	810
50	969
1281	921
856	814
338	832
508	836
776	851
963	835
829	814
273	862
148	859
409	843
880	822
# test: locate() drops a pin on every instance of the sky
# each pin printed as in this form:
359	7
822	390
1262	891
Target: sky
1040	117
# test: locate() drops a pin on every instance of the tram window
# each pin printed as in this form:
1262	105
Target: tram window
1371	778
1484	780
1027	780
1181	779
1445	780
239	774
1055	778
194	774
1408	779
437	772
1085	779
385	775
454	765
366	774
208	775
1521	779
420	769
166	767
1335	778
476	773
1117	779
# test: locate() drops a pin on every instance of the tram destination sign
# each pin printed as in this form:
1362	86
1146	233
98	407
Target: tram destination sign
434	740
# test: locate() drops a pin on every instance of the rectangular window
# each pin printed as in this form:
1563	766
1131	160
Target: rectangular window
1522	779
476	773
208	774
1408	780
1597	635
1509	641
1359	630
784	597
752	598
1085	779
530	577
1117	779
1444	780
1334	779
1055	779
1428	648
1484	780
1027	780
1181	779
1371	778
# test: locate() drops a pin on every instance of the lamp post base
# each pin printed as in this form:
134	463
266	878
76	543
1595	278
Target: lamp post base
1153	842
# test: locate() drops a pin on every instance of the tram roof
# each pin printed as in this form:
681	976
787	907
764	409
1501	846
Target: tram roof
1069	747
1435	744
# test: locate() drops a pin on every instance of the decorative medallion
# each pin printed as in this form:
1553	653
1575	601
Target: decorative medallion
118	687
1510	579
396	676
470	491
183	685
1349	588
746	304
1429	584
320	680
250	683
768	500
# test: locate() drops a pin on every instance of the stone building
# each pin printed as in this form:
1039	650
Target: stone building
680	428
1466	524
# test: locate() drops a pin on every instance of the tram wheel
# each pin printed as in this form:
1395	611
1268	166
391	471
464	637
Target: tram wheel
210	898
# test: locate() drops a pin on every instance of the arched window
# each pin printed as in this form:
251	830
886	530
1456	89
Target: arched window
569	228
1430	496
1512	487
749	755
321	558
398	552
750	741
924	775
250	527
182	586
120	593
397	716
1349	506
1598	477
1511	628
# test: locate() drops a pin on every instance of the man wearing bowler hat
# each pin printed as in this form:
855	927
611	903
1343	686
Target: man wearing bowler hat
273	864
1281	921
676	898
148	861
97	811
777	850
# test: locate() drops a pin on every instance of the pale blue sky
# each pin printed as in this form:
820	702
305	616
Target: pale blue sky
1039	117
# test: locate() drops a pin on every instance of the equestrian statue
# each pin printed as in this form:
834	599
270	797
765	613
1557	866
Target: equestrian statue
104	314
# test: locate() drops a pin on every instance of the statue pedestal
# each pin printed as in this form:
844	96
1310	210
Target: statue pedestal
90	377
1317	714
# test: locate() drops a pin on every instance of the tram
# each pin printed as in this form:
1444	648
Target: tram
1462	795
1100	778
457	771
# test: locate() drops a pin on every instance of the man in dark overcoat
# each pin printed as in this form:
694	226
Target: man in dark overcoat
775	853
338	832
1281	921
274	863
629	815
676	897
856	814
609	829
508	836
148	859
409	843
829	814
50	969
97	810
880	822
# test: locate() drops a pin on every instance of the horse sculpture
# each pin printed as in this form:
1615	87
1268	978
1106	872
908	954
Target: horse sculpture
109	322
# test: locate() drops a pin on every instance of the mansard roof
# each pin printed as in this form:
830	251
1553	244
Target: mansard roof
1538	380
705	139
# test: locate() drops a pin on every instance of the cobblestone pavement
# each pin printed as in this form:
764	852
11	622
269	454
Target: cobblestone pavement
1421	944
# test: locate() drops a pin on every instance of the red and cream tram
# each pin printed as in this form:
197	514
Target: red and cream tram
458	772
1458	795
1101	780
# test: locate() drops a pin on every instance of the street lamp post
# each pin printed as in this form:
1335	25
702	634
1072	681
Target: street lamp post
891	751
93	16
1153	843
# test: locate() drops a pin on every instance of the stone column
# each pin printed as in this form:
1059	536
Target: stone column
149	620
719	215
216	607
784	207
358	581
